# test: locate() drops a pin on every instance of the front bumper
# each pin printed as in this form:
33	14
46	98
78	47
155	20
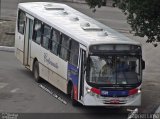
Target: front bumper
133	100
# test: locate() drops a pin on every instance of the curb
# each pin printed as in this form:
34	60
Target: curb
6	48
157	112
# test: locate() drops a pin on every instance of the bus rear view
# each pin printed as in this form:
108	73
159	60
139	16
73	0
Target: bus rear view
114	75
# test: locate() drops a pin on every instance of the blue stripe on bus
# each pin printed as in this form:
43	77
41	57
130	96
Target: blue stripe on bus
73	76
114	93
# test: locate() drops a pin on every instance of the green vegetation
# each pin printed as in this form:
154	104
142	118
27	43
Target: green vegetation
142	15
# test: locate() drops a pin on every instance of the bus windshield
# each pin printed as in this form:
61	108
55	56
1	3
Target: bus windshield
114	69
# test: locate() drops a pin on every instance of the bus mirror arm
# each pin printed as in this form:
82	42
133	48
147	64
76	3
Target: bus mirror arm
143	64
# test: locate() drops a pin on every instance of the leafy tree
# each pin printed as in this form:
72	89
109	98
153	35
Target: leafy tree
142	15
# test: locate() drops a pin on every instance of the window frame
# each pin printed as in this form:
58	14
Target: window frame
31	29
42	36
18	21
34	37
72	52
57	43
62	46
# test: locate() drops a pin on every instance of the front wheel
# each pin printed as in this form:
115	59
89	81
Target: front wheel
36	72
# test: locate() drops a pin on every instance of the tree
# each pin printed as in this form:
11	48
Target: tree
142	15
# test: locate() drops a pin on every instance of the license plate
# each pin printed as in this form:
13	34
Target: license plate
115	101
114	93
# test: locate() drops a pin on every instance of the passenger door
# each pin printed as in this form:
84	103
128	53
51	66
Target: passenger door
27	39
19	36
81	72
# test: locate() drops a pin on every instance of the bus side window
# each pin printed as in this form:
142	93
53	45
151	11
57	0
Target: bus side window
21	21
55	40
46	36
64	48
37	31
74	53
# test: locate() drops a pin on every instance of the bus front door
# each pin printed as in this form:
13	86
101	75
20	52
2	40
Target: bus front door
27	40
81	72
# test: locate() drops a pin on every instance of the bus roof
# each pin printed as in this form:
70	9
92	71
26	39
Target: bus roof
75	24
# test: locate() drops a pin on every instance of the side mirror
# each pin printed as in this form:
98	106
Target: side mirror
143	64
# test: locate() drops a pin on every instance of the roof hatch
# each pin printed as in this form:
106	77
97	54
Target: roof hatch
65	13
53	7
90	27
74	18
103	33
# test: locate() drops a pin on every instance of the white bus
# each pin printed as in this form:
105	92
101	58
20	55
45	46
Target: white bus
96	65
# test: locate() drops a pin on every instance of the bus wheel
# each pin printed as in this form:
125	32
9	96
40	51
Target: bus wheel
74	102
36	72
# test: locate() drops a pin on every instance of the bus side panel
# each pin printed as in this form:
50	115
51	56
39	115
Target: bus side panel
57	71
58	81
19	46
19	42
43	71
51	68
44	64
37	52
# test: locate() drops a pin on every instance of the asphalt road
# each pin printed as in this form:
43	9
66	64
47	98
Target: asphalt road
27	96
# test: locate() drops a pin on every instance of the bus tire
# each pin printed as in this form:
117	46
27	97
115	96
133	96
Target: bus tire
74	102
36	72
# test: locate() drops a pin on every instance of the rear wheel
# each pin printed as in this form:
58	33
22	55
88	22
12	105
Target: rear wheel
74	102
36	72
